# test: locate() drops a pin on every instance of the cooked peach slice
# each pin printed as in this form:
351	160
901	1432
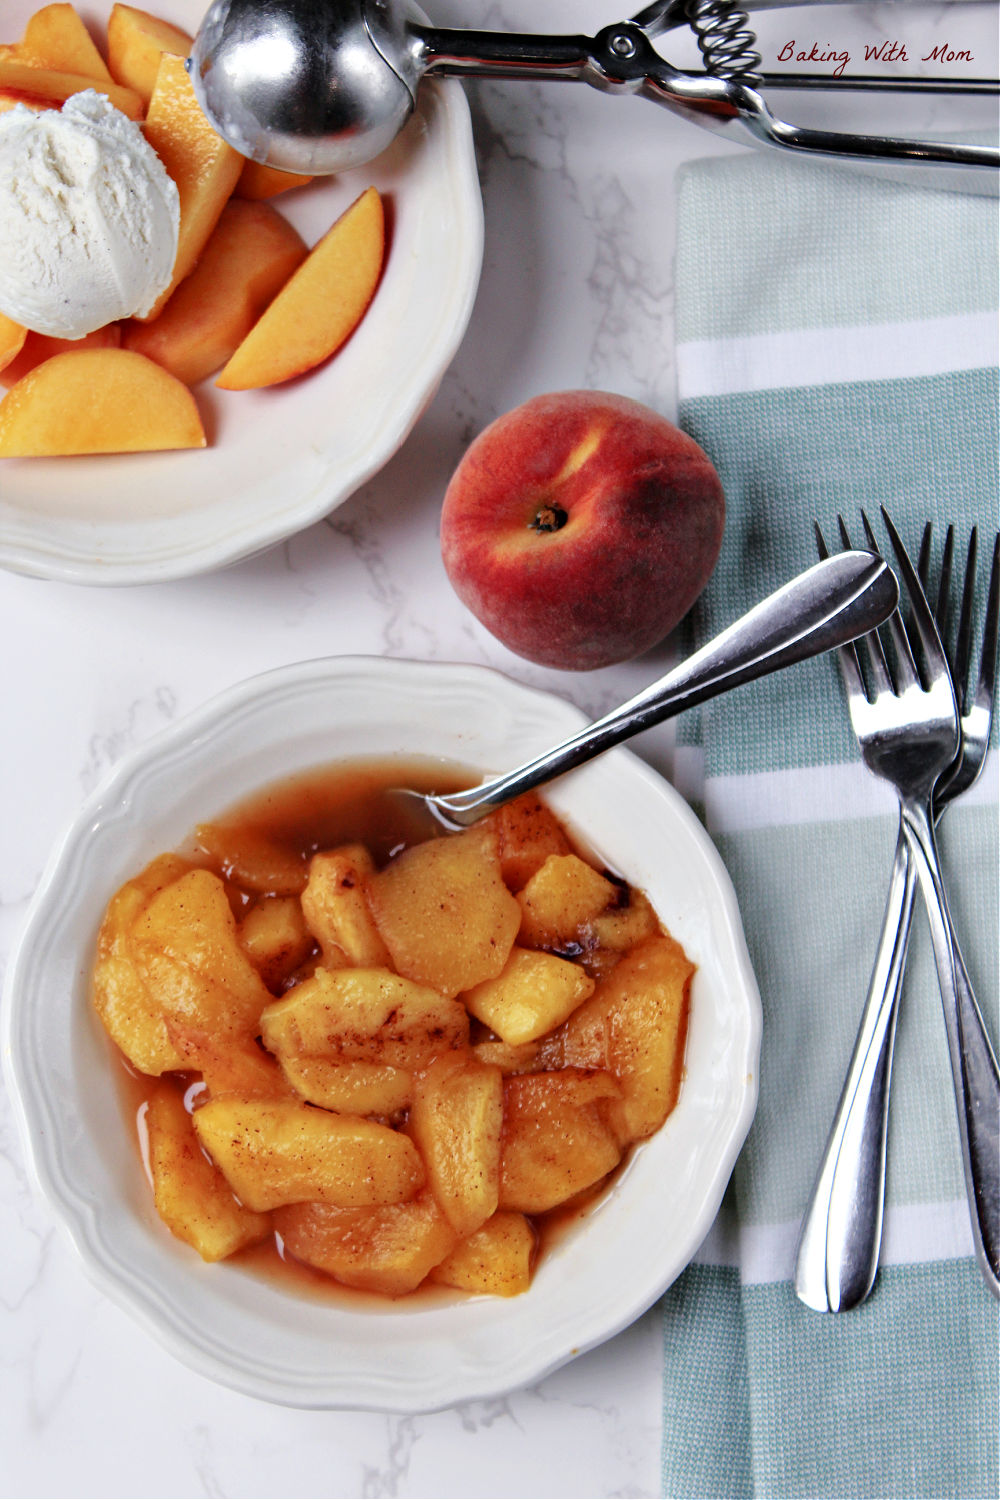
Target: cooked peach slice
444	912
350	1088
188	953
253	860
526	1057
55	37
624	927
97	401
337	911
388	1250
455	1120
319	307
202	165
275	938
229	1065
494	1260
136	42
274	1152
533	993
529	832
48	88
12	339
132	1016
192	1197
560	898
248	258
635	1025
258	182
364	1015
556	1137
38	347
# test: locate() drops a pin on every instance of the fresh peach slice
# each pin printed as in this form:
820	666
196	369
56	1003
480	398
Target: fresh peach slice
55	37
319	307
203	166
251	254
258	182
136	42
39	347
49	88
97	401
9	100
12	337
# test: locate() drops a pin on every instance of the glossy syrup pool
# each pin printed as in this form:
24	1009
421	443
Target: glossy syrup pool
353	802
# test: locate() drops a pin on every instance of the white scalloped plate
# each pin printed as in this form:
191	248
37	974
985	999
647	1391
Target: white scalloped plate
283	458
247	1332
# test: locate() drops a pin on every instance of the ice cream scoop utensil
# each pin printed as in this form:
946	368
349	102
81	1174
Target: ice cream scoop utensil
829	604
322	85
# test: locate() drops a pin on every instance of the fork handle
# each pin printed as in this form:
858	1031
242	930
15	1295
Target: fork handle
841	1235
973	1062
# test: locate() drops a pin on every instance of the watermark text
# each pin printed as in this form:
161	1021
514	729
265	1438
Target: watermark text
874	52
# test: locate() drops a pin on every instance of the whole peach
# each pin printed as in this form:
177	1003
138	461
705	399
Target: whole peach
580	527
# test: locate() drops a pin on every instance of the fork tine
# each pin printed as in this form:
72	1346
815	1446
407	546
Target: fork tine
847	656
878	669
944	582
923	620
870	536
986	686
963	644
849	662
924	559
940	605
907	673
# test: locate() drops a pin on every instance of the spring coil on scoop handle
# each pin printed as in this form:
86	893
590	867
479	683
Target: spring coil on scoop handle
725	40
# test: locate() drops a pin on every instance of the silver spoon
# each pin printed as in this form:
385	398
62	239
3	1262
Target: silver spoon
319	86
826	606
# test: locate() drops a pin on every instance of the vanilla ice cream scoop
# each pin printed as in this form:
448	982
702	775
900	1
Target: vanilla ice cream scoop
88	217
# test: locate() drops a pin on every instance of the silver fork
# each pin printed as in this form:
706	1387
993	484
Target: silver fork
842	1229
839	1246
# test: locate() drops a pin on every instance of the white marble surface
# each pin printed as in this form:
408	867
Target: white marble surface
577	289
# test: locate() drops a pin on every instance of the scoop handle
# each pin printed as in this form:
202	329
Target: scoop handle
832	602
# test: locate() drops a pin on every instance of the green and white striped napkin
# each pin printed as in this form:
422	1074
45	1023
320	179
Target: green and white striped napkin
837	348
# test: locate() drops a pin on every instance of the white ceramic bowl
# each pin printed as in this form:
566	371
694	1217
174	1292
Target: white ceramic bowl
283	458
249	1333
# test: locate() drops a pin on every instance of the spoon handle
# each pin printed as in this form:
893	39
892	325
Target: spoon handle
832	602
